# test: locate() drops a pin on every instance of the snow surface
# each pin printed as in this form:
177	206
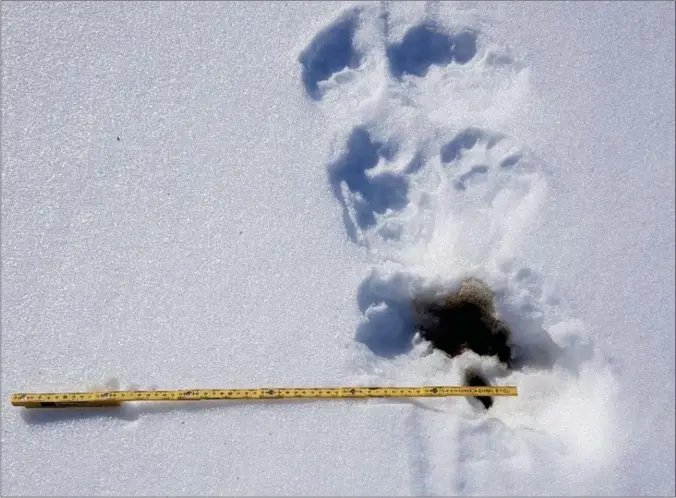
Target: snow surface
249	194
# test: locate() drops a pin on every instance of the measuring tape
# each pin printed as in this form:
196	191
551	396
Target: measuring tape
113	398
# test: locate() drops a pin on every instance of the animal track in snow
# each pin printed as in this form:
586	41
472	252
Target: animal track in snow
395	196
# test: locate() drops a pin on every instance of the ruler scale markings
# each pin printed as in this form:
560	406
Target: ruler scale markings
107	398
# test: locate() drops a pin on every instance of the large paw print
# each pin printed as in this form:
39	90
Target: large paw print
394	195
334	51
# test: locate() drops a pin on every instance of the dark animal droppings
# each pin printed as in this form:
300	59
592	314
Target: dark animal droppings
465	320
474	378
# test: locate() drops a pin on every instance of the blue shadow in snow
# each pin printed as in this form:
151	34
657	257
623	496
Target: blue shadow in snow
330	51
425	45
416	163
464	140
372	194
388	328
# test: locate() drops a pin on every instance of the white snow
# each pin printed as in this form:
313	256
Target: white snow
249	195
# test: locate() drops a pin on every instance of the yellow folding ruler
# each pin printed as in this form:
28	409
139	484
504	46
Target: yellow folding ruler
112	398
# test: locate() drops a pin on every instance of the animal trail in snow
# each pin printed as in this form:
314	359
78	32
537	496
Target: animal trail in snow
436	192
401	194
